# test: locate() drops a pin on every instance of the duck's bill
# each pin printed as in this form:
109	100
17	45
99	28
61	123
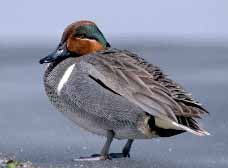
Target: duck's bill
59	54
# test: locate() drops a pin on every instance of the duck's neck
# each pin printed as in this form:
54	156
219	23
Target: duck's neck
55	71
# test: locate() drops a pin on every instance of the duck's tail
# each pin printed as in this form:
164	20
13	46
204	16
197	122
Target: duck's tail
190	125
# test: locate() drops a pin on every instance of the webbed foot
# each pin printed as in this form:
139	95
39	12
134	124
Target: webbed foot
94	157
119	155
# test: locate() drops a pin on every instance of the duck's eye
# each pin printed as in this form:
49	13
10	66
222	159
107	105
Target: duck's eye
80	35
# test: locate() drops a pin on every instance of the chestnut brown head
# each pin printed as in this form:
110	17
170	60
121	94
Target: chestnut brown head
79	38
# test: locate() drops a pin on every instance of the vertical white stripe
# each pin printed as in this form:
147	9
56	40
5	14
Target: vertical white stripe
65	77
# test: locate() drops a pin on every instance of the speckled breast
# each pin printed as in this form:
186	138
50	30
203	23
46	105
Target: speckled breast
129	123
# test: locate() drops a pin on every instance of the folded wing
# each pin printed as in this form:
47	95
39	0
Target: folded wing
145	85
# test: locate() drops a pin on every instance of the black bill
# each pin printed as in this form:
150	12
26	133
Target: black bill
59	54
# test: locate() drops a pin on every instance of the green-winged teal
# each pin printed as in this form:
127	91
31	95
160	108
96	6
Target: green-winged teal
115	93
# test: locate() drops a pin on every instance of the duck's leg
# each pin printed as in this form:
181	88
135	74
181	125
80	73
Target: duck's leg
104	152
106	147
125	151
127	148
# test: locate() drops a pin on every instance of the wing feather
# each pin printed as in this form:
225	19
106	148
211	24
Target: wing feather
146	86
124	76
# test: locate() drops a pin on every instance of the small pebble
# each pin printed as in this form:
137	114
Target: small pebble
84	148
170	149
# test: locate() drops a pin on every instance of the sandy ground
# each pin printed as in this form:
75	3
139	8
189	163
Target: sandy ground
31	129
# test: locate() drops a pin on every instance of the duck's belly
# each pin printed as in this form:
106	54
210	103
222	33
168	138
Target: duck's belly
98	125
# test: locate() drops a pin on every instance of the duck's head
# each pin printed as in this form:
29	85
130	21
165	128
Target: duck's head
79	38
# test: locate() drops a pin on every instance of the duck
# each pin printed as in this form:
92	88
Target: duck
115	93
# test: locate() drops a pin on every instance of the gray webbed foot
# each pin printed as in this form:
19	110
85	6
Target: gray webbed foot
94	157
105	155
